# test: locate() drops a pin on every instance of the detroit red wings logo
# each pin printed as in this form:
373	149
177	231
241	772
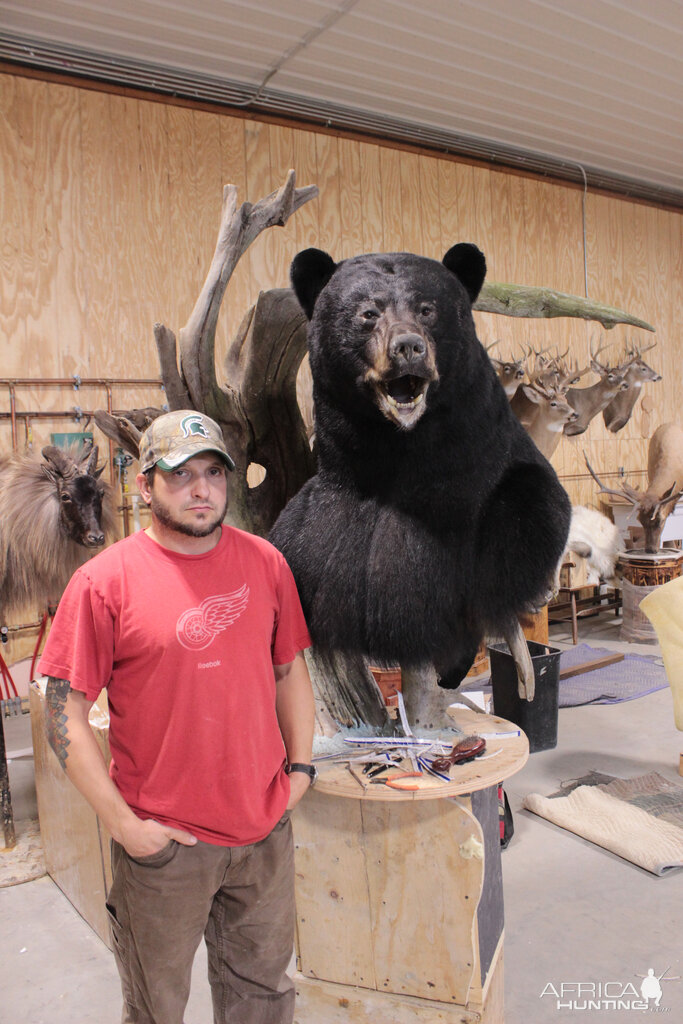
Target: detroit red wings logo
198	627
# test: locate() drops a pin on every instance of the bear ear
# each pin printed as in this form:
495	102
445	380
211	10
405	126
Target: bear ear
309	273
468	264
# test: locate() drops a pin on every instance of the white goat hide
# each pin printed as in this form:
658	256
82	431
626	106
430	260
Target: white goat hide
596	538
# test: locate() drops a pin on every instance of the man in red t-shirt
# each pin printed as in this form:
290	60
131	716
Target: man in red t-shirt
196	631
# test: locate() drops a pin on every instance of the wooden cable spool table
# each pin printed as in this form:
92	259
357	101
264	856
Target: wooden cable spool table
399	893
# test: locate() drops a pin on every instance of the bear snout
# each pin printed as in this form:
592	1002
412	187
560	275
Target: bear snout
407	349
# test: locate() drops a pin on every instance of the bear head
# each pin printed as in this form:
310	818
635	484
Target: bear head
387	328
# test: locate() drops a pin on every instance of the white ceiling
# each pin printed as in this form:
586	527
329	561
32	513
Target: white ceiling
547	84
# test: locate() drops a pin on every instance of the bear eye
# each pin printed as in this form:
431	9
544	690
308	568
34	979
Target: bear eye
369	314
426	310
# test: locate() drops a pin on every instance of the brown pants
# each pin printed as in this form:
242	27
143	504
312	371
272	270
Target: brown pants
240	898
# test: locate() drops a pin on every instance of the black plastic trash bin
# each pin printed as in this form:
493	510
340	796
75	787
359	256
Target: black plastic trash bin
538	717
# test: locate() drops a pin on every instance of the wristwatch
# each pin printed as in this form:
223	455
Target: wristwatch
307	769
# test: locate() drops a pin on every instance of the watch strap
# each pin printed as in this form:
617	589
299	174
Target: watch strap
307	769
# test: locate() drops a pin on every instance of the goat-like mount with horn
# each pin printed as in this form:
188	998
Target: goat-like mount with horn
55	513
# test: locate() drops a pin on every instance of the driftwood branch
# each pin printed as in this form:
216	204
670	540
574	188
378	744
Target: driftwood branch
127	429
238	229
174	386
522	301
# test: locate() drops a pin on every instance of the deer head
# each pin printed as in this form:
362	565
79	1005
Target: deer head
510	372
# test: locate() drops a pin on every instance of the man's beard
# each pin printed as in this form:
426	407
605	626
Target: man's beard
166	518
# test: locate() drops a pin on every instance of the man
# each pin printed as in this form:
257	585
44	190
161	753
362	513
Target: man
196	631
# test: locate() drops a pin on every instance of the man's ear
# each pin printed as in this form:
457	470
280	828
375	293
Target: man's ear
468	263
309	273
144	488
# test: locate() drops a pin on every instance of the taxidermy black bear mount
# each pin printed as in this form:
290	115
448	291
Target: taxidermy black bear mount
433	520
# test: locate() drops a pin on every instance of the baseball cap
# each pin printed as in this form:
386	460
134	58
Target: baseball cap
175	437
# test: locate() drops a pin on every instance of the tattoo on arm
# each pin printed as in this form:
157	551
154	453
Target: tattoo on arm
55	698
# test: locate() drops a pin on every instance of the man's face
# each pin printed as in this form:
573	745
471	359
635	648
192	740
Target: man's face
191	499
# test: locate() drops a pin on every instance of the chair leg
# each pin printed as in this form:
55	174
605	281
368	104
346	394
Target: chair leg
575	623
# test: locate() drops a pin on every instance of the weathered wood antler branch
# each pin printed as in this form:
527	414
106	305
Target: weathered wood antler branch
257	408
520	300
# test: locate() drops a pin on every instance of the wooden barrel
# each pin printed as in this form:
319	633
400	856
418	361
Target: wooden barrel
646	570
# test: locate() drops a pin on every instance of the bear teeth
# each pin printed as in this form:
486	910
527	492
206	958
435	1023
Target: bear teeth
405	405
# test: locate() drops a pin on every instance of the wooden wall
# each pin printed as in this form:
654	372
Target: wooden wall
110	207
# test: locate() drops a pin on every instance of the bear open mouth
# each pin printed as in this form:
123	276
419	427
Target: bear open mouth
406	392
402	399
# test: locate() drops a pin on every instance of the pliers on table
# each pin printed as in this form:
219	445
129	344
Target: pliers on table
399	781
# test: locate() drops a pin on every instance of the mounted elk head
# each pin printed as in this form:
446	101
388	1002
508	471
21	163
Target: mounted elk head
652	506
79	492
617	414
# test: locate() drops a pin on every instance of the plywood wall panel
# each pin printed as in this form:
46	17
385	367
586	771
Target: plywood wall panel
36	281
155	283
127	239
449	225
350	204
100	294
392	208
63	143
430	207
500	259
412	205
111	208
329	210
307	220
372	217
12	317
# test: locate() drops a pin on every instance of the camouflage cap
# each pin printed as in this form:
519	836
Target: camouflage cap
175	437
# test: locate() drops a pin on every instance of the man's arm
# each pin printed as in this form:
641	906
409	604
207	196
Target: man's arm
73	741
295	710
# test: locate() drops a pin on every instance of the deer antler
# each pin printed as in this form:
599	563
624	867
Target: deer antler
594	355
629	493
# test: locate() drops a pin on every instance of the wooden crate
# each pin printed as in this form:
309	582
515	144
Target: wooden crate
76	844
399	895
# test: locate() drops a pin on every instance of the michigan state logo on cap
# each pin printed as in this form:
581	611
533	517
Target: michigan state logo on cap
193	425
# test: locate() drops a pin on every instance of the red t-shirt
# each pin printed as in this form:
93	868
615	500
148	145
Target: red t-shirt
185	646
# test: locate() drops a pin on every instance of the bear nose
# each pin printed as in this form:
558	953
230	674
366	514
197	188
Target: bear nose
408	347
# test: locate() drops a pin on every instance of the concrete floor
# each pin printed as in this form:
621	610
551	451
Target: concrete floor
574	913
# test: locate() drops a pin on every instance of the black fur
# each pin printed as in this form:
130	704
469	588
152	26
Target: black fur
414	539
